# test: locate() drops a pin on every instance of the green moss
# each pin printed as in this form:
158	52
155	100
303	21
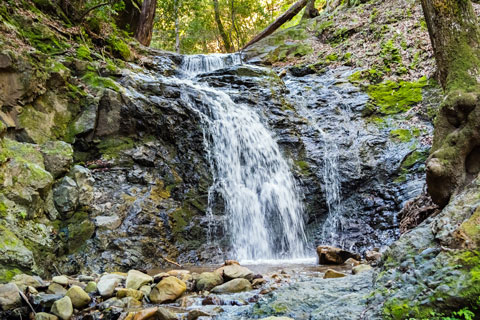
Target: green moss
179	218
83	53
414	158
6	275
96	81
303	166
394	97
110	148
119	48
403	135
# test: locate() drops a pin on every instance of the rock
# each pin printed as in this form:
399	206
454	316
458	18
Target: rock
146	290
84	278
230	262
136	279
165	314
235	271
31	290
91	287
330	273
106	285
373	256
131	303
65	195
177	273
136	294
5	61
277	318
112	302
61	280
207	280
55	288
10	296
58	157
235	285
159	276
84	180
85	123
332	255
361	268
257	283
45	316
62	308
109	118
46	300
195	314
146	314
24	280
79	297
169	289
352	262
108	222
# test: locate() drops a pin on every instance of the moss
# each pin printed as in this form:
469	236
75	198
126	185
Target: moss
119	48
110	148
159	192
414	158
470	228
6	275
303	166
179	218
94	80
404	135
394	97
83	53
396	309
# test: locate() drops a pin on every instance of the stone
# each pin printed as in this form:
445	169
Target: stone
112	302
79	297
91	287
85	278
61	280
108	222
235	271
235	285
195	314
57	157
177	273
136	279
55	288
277	318
330	273
361	268
333	255
207	280
10	296
131	303
5	61
85	123
46	300
257	283
136	294
159	276
109	117
373	256
62	308
146	290
24	280
84	180
352	262
146	314
65	195
45	316
169	289
106	285
230	262
165	314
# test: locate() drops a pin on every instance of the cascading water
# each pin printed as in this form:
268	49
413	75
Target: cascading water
263	209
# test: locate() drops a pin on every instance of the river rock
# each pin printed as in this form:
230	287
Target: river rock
169	289
65	195
146	290
24	280
62	280
330	273
112	302
136	294
178	273
108	222
235	271
46	300
136	279
235	285
106	285
45	316
146	314
91	287
361	268
63	308
207	280
85	278
195	314
352	262
373	256
9	296
131	303
78	297
165	314
333	255
277	318
257	283
55	288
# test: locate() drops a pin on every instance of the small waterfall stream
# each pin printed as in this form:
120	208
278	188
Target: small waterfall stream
262	206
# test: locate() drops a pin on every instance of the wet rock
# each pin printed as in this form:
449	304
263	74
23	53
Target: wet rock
109	118
169	289
61	280
332	255
45	316
136	294
108	222
84	180
257	283
230	262
235	271
165	314
195	314
235	285
65	195
131	303
78	296
207	280
9	296
146	290
146	314
85	278
112	302
85	123
330	273
55	288
62	308
277	318
136	279
24	280
373	256
58	157
361	268
352	262
106	285
212	300
91	287
46	300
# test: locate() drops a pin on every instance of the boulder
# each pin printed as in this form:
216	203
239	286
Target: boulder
235	285
24	280
146	314
361	268
45	316
169	289
61	280
65	195
207	280
91	287
46	300
352	262
373	256
235	271
9	296
146	290
57	156
195	314
330	273
62	308
55	288
136	279
333	255
136	294
165	314
84	180
106	285
78	296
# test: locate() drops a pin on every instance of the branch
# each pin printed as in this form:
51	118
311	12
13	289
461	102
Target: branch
91	9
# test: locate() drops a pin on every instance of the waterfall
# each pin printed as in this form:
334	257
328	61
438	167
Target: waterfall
262	206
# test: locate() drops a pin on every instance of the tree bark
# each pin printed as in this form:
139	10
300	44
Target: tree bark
144	30
310	10
455	155
177	27
286	16
221	29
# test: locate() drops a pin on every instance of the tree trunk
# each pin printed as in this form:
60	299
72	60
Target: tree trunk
310	10
144	30
286	16
234	23
455	156
177	27
221	30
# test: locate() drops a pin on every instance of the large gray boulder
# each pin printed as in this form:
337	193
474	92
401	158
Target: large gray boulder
232	286
65	195
57	157
207	280
9	296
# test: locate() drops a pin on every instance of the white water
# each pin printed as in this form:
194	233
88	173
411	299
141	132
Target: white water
262	207
193	65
